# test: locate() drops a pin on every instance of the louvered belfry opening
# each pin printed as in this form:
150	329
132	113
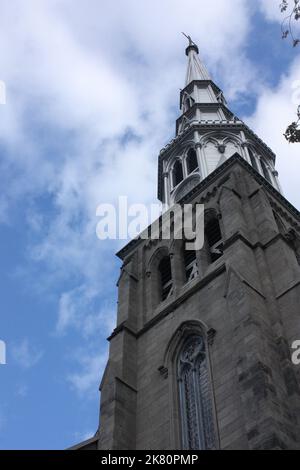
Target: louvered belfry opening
165	277
192	161
214	239
177	173
190	264
188	102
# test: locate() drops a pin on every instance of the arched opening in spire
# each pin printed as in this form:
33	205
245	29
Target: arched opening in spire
187	102
166	282
191	161
177	173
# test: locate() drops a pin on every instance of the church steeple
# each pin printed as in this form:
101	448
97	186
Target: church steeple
196	70
236	298
207	134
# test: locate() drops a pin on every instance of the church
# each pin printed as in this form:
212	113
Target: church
200	358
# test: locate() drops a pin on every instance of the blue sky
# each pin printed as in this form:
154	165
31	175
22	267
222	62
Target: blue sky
92	96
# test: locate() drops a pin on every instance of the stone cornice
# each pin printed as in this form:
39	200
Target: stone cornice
213	177
169	306
205	106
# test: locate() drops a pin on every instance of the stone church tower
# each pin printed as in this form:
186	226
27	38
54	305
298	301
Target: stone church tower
201	354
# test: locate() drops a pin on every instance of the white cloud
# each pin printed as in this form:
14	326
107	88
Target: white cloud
271	10
91	367
91	93
77	310
25	354
83	436
275	110
78	81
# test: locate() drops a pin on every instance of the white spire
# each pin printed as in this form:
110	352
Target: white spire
196	70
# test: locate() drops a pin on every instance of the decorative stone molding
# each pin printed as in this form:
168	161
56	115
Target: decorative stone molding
211	334
285	215
291	236
221	148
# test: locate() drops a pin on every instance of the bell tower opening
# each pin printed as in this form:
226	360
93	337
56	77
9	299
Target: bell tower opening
177	173
192	161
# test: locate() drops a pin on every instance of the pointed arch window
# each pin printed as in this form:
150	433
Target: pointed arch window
177	173
191	161
188	102
265	170
214	239
253	160
166	282
196	410
190	265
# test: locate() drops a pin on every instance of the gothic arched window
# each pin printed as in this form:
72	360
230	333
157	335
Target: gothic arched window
188	102
197	424
253	160
265	171
177	173
191	161
214	238
166	282
190	264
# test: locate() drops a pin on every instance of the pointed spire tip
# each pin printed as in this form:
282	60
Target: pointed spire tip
196	69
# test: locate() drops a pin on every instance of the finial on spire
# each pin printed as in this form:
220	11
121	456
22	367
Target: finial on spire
191	46
196	69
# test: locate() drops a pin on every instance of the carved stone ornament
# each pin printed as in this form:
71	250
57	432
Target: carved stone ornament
222	148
